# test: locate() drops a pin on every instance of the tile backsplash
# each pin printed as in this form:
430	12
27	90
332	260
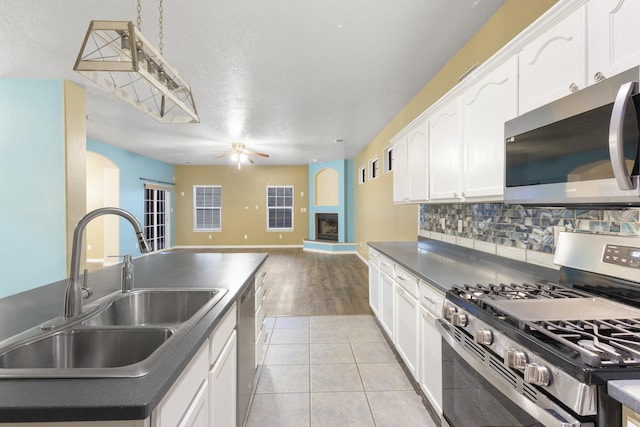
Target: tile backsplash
530	229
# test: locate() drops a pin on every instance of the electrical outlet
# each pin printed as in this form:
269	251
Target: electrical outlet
459	226
245	237
209	236
442	223
281	236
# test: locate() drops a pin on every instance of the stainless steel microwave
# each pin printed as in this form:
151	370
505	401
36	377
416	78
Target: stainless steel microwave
580	149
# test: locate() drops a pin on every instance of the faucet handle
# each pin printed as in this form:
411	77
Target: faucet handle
86	290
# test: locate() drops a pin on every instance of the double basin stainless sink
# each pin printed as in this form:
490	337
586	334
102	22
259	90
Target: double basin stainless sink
121	335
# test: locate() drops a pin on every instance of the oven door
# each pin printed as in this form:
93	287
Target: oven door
475	394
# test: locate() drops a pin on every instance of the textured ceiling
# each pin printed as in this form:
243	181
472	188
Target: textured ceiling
287	77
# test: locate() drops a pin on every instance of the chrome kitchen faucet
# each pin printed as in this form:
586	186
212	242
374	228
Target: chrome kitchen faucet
74	293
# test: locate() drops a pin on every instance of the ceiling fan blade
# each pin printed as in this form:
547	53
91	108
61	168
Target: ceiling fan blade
223	155
255	153
250	161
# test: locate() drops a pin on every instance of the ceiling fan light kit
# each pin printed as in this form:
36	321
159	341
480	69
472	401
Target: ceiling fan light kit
117	57
239	154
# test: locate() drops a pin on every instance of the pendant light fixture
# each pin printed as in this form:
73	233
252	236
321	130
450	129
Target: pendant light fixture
117	57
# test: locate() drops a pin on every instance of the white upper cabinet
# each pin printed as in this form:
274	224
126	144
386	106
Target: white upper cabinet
417	152
400	170
486	105
445	155
554	64
612	37
410	171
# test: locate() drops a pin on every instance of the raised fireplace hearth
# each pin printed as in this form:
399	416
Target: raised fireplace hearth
327	226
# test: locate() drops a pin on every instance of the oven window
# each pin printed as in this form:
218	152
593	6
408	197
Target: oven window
469	400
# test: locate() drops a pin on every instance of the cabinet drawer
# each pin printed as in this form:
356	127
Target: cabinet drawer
260	294
431	299
387	266
408	281
221	334
374	257
260	318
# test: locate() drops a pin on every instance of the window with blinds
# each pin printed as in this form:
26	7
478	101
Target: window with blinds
280	208
207	208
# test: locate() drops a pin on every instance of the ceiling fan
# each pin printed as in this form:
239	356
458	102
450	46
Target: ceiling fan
239	154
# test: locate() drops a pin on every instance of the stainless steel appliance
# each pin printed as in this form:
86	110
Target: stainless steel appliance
581	149
542	353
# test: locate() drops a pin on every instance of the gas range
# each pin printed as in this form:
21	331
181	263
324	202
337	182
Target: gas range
553	346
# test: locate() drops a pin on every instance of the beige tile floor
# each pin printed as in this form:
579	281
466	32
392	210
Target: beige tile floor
324	371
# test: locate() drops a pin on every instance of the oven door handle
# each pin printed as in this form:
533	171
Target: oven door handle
544	410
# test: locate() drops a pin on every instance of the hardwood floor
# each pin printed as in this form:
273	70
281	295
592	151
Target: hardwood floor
303	283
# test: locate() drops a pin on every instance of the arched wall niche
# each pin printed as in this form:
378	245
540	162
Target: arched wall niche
326	182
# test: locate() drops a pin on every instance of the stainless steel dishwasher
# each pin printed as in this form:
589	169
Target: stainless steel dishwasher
246	351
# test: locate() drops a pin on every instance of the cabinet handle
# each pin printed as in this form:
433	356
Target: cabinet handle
598	76
430	300
573	87
402	278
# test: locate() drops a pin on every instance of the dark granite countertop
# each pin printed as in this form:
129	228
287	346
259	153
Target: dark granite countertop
81	399
443	265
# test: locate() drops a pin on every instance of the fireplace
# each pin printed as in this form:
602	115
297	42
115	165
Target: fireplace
327	226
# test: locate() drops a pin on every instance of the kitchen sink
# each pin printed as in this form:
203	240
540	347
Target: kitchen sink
155	306
120	335
86	348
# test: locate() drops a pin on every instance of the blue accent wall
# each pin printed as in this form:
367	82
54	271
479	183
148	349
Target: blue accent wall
32	184
133	167
345	208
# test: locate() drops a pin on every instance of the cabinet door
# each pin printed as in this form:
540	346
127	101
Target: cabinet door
183	401
430	360
445	162
222	384
613	34
198	413
486	106
554	64
387	303
400	172
406	324
374	288
417	170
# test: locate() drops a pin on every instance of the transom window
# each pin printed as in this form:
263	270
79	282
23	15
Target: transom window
280	208
207	208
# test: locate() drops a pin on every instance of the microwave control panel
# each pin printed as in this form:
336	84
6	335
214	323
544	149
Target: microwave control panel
621	255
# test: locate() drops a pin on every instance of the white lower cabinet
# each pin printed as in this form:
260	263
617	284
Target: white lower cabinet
430	359
387	303
222	380
406	324
186	404
374	282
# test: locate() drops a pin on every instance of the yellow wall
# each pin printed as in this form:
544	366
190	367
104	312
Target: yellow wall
376	217
243	204
75	131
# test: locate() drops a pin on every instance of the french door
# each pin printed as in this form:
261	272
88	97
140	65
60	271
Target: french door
156	217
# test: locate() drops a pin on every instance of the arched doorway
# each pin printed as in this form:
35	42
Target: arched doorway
103	189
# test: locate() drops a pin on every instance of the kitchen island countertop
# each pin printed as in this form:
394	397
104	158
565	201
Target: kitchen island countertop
83	399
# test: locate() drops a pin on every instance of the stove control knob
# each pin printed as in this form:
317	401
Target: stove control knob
516	359
459	319
448	310
537	374
483	336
